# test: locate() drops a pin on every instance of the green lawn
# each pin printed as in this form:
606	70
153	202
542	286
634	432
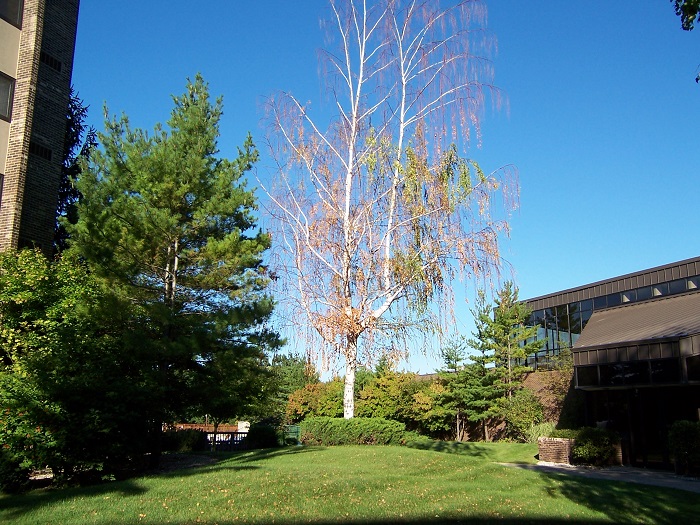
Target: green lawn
460	484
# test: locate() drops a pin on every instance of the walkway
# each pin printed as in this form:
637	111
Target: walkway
628	474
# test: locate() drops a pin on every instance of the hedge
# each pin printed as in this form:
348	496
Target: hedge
355	431
684	445
592	446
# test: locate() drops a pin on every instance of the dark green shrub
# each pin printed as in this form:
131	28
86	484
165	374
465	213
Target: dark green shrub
189	440
522	411
355	431
567	433
263	436
594	446
539	430
684	445
14	478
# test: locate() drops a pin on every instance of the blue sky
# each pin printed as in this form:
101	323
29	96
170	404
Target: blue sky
602	119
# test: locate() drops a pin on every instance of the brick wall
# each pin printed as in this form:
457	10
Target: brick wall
37	130
21	124
555	450
558	450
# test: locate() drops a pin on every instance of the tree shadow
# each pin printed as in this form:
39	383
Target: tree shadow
250	456
622	501
232	461
16	506
456	520
464	448
452	447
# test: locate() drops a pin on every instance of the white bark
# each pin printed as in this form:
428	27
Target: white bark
361	250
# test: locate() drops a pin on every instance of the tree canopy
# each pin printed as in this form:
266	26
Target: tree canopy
688	11
378	211
158	309
79	141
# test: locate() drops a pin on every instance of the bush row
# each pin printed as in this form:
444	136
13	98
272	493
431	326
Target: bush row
592	446
684	445
355	431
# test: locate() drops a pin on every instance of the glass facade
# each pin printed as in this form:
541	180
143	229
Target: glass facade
560	326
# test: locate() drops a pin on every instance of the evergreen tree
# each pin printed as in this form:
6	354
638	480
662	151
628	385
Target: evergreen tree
171	227
503	342
79	142
510	339
472	393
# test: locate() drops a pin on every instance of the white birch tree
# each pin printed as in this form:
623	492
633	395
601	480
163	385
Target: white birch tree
377	212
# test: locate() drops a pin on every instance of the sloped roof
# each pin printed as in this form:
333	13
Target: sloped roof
669	317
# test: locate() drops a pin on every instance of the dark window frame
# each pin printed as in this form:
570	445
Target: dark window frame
17	22
10	97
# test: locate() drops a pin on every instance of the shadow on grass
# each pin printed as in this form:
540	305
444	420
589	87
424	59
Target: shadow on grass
421	520
251	456
624	502
486	451
15	506
231	461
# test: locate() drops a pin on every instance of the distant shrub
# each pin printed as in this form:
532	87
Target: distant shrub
522	411
683	441
263	436
539	430
594	446
567	433
355	431
189	440
14	478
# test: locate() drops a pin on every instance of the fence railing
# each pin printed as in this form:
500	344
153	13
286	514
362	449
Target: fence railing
227	440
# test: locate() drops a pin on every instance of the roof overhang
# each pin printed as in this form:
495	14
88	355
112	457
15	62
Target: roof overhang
664	319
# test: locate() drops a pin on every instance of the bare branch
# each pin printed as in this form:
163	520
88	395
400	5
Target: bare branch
377	215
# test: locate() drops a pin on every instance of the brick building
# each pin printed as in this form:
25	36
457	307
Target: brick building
37	41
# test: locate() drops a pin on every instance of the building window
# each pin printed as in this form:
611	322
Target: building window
7	91
677	286
11	11
40	151
50	61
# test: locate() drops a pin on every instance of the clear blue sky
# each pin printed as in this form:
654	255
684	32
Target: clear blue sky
602	123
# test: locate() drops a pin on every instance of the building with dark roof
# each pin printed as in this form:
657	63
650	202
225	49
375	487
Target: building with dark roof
635	341
37	42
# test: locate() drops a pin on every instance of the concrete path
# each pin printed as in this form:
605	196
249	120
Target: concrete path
628	474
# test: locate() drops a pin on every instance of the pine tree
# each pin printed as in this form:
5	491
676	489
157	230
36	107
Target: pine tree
503	342
80	140
171	227
510	339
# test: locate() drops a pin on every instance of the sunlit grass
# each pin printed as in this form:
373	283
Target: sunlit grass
357	484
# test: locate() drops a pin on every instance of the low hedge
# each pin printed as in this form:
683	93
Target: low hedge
683	441
592	446
14	478
262	435
189	440
355	431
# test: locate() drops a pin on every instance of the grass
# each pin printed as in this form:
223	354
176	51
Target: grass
359	485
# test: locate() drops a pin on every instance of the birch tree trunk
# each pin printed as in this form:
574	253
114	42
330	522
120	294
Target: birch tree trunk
349	389
377	211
